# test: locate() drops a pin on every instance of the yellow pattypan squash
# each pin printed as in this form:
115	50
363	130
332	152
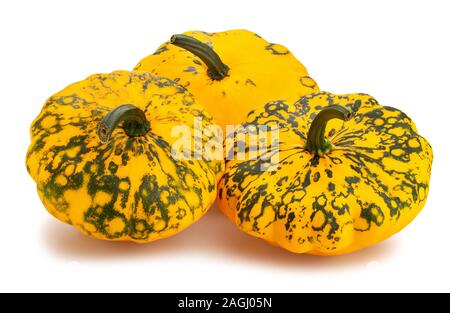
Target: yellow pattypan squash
230	73
101	157
349	173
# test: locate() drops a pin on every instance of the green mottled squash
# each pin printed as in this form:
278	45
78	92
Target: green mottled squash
343	173
101	157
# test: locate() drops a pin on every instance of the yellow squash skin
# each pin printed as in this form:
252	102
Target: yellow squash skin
372	183
130	188
258	73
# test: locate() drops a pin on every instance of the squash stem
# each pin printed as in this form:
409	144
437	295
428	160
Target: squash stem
217	70
316	142
135	123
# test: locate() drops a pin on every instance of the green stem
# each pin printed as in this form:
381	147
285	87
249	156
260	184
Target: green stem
217	70
135	123
316	142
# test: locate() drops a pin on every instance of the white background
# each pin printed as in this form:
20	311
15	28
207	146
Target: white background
397	51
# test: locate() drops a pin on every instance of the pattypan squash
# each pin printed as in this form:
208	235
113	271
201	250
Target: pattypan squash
231	72
101	157
349	173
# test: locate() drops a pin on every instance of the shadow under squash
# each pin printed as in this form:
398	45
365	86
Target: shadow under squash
213	235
